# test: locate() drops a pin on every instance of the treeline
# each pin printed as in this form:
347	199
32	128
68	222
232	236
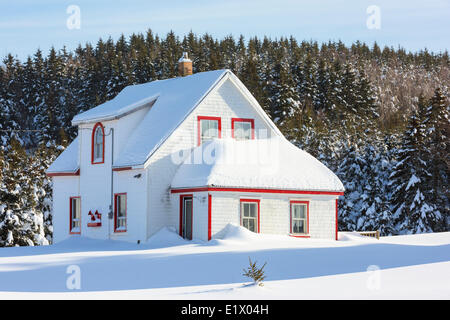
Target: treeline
354	107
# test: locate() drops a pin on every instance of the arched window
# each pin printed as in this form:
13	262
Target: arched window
98	144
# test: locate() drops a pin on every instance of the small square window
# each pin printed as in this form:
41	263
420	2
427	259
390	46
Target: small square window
209	129
243	129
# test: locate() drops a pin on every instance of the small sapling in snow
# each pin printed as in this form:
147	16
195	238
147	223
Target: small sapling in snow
255	273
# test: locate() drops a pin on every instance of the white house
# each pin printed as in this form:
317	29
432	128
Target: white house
195	153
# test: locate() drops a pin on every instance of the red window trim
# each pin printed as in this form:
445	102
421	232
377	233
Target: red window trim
199	119
115	212
70	215
258	201
252	122
257	190
299	235
182	196
92	144
209	216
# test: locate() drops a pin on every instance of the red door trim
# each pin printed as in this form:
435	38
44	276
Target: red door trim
181	214
209	216
337	219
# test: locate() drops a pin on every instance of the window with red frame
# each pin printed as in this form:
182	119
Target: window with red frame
208	128
98	144
250	215
243	129
120	212
299	217
75	215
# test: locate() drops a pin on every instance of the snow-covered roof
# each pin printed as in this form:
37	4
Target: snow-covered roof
171	101
67	160
269	164
169	93
177	97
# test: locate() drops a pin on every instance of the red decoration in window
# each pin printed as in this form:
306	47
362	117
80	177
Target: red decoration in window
96	219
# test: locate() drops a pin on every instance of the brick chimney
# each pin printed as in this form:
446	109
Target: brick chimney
184	65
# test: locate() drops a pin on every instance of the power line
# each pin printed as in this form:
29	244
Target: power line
22	130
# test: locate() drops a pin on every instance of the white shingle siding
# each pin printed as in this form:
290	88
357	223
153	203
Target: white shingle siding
63	189
275	212
322	218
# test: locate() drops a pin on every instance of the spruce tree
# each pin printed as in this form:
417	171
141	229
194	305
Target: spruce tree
350	171
18	223
413	210
437	123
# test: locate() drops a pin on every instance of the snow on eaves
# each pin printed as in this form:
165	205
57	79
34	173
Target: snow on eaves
129	99
269	164
67	161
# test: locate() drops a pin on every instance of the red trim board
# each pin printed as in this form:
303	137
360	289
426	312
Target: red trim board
257	190
64	174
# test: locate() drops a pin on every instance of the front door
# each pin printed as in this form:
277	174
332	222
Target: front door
186	217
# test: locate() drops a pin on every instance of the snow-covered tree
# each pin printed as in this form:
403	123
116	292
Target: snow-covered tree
413	209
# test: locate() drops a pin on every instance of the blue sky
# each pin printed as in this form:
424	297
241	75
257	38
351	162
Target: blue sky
26	25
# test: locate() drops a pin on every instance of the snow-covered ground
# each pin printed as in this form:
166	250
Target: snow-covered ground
168	267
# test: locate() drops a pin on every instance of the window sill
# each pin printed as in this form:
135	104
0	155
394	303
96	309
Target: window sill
299	235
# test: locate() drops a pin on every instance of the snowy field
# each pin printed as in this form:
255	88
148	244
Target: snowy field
168	267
